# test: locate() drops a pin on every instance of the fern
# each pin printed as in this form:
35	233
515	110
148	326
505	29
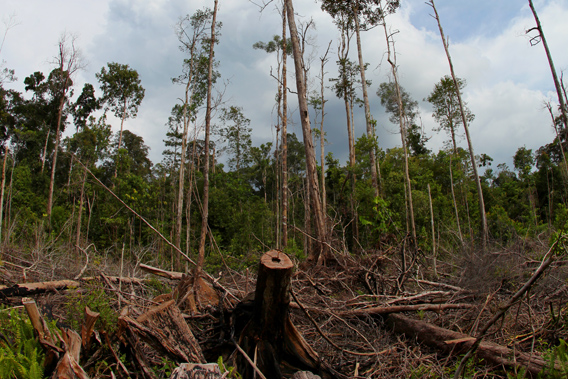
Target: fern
21	355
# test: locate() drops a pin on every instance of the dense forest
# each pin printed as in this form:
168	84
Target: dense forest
72	186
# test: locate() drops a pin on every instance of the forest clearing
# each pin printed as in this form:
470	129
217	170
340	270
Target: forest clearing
234	260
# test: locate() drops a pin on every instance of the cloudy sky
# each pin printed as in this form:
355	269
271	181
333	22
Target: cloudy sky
508	81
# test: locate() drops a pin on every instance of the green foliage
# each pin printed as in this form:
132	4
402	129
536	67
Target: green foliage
230	370
93	296
557	359
165	369
21	355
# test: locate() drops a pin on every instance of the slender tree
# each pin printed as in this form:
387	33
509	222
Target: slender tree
192	36
484	227
68	62
122	94
312	180
205	208
447	113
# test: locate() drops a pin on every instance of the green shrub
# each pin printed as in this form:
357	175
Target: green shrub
93	296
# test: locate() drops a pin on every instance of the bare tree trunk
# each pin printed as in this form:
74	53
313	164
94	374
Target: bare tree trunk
79	216
54	162
454	201
322	136
484	227
181	183
120	139
284	135
205	215
311	171
368	117
44	157
402	120
3	186
343	54
434	253
561	99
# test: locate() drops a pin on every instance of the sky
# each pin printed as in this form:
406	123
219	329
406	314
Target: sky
508	80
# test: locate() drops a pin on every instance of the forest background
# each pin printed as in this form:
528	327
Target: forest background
523	172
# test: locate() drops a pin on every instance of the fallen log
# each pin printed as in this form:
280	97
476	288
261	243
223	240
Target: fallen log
28	289
456	343
159	272
269	334
404	308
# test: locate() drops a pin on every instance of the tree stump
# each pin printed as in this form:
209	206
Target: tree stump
269	337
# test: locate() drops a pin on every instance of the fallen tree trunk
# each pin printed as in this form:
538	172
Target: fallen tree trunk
458	343
404	308
159	272
28	289
269	335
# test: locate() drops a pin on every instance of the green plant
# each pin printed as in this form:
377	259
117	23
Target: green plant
557	359
21	355
165	369
232	371
94	297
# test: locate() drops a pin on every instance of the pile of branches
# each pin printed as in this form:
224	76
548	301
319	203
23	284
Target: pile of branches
364	316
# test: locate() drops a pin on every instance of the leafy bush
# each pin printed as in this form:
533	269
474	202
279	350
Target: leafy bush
94	297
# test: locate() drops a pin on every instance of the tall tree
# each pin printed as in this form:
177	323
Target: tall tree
447	113
122	93
192	35
236	132
68	61
403	105
484	227
312	180
205	209
282	47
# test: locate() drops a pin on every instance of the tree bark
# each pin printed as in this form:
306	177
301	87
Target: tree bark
321	235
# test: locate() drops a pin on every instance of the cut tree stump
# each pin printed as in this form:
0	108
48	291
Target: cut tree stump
269	337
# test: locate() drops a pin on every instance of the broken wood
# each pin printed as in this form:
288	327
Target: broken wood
192	297
269	335
28	289
197	371
68	366
163	328
159	272
88	327
46	339
456	343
